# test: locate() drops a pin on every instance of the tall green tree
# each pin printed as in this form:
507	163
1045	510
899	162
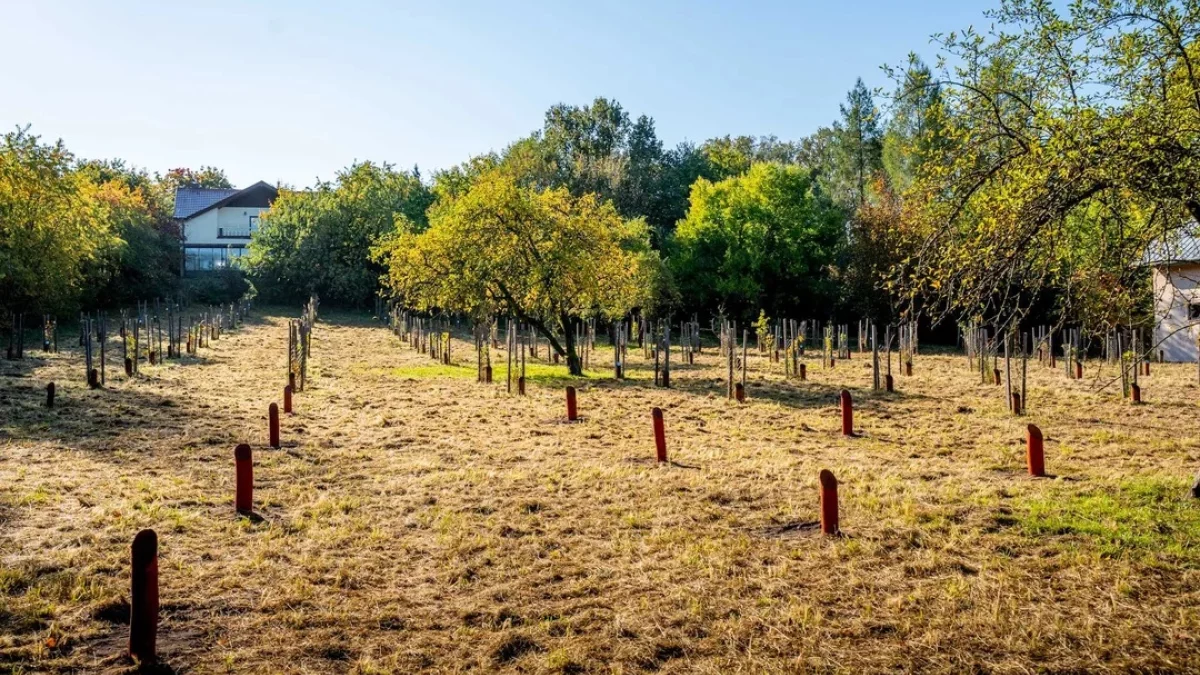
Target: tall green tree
639	190
732	156
319	241
728	156
587	144
763	240
681	167
816	153
915	132
857	148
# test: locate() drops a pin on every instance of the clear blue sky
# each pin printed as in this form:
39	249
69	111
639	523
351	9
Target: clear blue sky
292	91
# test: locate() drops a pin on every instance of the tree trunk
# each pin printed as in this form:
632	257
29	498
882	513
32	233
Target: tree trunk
574	365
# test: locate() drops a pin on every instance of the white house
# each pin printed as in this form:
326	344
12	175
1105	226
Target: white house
216	223
1175	268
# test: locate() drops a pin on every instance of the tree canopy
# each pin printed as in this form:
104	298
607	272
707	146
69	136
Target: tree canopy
70	232
1070	146
763	239
546	257
319	241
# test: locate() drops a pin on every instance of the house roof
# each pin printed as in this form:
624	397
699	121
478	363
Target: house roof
1183	247
192	201
189	200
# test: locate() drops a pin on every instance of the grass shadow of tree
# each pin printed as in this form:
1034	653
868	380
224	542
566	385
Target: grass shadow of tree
77	411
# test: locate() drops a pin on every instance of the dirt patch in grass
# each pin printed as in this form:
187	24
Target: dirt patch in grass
416	520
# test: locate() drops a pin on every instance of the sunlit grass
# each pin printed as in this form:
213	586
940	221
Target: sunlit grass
1148	518
535	372
418	521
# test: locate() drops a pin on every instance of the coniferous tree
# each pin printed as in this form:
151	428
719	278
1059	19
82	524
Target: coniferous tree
857	147
916	130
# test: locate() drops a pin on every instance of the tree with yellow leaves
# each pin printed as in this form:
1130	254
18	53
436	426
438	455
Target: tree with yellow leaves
544	257
1072	142
53	224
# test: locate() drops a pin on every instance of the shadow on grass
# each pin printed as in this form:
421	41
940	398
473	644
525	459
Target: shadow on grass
23	368
80	414
638	374
792	393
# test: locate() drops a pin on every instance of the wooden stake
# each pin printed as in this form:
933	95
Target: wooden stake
847	405
1034	453
244	464
143	598
829	503
660	435
273	418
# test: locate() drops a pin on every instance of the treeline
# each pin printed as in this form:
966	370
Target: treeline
84	233
1024	178
738	224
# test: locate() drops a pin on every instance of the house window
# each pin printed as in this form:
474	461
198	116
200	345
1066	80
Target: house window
1194	311
253	223
208	259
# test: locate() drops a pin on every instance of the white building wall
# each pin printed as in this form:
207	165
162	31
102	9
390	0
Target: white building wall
205	228
202	229
236	217
1175	334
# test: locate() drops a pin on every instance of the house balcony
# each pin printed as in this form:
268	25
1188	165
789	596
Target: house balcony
233	233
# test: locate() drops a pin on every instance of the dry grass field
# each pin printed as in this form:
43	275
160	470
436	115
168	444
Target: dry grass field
416	521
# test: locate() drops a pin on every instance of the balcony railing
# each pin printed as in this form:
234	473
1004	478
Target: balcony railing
233	233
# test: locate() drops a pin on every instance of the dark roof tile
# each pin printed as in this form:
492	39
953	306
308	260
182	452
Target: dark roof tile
189	200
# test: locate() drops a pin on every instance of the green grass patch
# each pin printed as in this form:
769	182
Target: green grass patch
1143	518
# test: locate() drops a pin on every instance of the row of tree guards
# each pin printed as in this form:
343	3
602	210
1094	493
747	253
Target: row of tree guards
428	335
143	332
985	347
144	588
784	341
144	327
141	336
299	341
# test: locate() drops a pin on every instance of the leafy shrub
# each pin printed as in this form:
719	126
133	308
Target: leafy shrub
217	288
